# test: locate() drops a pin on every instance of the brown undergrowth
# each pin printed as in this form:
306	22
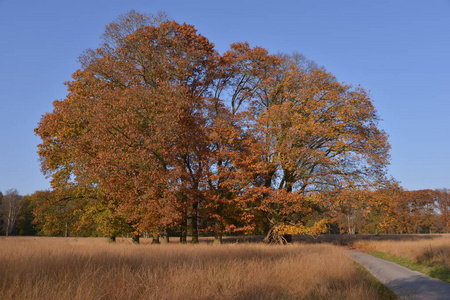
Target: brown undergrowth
91	268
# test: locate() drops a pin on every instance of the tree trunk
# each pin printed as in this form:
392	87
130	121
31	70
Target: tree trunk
218	233
135	238
155	238
8	223
273	237
266	226
66	230
111	238
194	223
164	236
183	236
217	238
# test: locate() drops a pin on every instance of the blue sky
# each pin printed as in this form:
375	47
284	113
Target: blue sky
398	50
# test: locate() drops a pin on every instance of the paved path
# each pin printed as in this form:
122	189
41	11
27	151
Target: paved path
407	284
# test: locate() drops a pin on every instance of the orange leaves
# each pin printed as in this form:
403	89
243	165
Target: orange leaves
309	134
390	210
167	128
130	116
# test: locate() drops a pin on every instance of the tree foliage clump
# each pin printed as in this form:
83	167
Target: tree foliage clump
392	210
159	131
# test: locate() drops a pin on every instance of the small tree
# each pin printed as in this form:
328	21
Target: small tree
10	208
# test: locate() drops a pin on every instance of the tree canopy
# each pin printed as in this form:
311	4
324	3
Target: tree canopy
165	131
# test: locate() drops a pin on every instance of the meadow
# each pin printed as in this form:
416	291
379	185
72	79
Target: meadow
429	254
92	268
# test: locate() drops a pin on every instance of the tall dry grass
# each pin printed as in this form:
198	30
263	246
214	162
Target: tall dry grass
433	249
89	268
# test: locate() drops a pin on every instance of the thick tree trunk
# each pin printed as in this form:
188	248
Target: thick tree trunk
135	238
164	236
194	223
165	239
155	239
217	238
183	236
266	226
111	238
218	233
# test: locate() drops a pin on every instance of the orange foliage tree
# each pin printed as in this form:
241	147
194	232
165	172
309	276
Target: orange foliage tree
168	132
443	206
132	124
392	209
311	134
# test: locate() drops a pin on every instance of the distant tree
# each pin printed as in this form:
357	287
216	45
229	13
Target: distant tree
443	206
61	212
394	210
10	208
24	225
423	210
350	209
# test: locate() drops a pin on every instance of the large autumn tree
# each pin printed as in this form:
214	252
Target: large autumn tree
132	123
167	131
308	135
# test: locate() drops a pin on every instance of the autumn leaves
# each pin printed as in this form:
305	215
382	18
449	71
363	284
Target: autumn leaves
167	132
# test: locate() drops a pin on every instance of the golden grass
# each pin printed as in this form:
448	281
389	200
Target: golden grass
91	268
434	249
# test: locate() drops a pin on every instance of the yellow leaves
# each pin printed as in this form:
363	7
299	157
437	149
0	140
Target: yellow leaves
318	228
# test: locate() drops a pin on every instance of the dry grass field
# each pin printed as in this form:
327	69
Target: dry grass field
91	268
426	253
434	249
429	254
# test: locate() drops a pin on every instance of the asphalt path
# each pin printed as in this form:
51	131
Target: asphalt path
407	284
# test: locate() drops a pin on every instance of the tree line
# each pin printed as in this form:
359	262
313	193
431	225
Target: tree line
386	211
161	133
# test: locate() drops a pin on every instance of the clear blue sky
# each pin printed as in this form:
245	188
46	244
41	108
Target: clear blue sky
399	50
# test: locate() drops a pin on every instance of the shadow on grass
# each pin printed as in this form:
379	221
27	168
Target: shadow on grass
336	239
441	273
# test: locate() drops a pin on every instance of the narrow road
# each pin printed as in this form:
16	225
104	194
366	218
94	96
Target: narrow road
407	284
